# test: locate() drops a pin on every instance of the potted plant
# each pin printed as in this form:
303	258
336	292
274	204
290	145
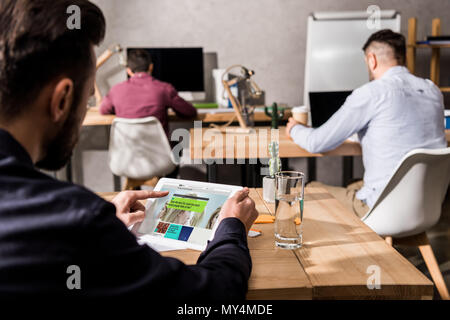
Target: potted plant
275	114
274	167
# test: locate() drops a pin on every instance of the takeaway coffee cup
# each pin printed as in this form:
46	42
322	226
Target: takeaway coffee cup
300	114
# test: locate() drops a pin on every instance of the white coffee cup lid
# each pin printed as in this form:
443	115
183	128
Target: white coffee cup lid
300	109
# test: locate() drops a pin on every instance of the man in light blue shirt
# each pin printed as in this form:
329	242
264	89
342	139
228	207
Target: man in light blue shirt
393	114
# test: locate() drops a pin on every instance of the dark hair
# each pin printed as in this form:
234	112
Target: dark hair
394	40
37	46
139	60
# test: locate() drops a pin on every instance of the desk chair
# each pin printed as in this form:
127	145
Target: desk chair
139	150
411	203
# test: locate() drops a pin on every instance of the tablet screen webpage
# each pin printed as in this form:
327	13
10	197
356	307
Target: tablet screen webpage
186	214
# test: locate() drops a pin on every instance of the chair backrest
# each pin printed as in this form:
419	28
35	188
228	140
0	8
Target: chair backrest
139	149
412	200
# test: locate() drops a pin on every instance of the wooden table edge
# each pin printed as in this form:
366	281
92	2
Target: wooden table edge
388	292
208	117
305	293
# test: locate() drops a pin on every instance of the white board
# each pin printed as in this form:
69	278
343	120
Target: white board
334	56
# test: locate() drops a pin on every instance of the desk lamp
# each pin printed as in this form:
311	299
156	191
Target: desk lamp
105	56
253	90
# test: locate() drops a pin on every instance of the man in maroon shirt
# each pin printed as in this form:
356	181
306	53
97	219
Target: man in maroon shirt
144	96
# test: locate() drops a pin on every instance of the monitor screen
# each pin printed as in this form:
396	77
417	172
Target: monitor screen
325	104
181	67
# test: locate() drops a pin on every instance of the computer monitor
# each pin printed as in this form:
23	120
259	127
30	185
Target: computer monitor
181	67
325	104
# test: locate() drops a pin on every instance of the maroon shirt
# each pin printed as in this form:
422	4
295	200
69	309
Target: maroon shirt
144	96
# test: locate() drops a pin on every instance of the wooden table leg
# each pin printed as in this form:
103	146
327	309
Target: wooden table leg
285	164
312	169
117	183
255	175
246	174
211	172
347	170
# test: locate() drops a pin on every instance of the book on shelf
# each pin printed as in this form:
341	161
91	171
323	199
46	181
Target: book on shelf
438	38
435	40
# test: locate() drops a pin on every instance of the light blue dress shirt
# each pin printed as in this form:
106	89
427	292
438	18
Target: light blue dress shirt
392	115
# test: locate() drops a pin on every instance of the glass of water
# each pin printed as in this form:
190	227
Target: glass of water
289	209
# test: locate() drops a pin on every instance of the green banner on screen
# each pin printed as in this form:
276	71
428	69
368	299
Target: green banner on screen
187	204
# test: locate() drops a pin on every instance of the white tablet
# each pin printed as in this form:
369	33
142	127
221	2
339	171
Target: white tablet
186	218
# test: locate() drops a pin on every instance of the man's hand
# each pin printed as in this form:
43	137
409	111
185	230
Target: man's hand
128	207
291	123
240	206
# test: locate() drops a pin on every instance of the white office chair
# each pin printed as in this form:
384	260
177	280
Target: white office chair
411	203
139	150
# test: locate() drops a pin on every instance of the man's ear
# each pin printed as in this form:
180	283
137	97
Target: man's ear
372	61
150	68
62	99
129	72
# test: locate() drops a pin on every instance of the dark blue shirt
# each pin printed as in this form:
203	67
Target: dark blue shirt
47	225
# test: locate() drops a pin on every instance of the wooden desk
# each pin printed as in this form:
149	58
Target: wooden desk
207	144
213	147
94	118
338	249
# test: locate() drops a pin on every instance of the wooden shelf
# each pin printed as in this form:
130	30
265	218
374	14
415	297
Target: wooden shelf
445	89
435	50
430	46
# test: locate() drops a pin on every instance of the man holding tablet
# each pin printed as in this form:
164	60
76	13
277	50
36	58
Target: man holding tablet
59	239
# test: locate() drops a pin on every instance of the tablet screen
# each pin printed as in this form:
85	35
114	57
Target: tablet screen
186	214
